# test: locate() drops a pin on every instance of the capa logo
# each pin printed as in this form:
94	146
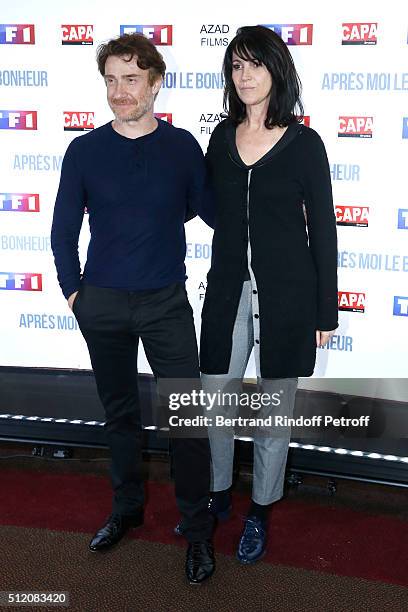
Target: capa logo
20	202
18	120
158	34
77	34
359	34
164	117
293	34
77	121
352	215
17	34
400	306
20	281
355	127
403	218
350	301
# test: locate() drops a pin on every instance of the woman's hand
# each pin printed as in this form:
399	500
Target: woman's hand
322	337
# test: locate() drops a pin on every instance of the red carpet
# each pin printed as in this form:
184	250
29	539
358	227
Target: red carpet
333	540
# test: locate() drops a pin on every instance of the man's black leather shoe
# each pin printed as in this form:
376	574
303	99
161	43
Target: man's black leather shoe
114	529
200	561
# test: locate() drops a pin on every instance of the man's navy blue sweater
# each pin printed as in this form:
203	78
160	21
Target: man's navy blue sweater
137	193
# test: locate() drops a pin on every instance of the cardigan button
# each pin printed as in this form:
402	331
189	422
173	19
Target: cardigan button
254	291
257	341
256	316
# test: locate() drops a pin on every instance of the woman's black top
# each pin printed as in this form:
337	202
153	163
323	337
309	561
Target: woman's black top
294	260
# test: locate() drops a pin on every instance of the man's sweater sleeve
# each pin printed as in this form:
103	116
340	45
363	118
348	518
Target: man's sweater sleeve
200	195
67	222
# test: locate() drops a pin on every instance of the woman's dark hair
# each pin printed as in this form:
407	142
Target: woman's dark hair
262	44
148	56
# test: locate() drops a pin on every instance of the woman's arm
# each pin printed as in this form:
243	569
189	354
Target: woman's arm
321	226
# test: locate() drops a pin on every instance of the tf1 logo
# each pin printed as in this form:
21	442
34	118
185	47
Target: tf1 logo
400	306
164	117
17	34
158	34
18	120
293	33
20	202
359	34
403	218
405	127
20	281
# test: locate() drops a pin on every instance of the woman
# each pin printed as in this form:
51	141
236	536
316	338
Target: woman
272	286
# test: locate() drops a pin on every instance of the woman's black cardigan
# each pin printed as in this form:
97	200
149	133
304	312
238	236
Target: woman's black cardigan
294	260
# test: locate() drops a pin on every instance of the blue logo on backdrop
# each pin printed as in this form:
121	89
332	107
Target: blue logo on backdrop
400	306
368	81
36	163
405	127
193	80
198	250
339	343
30	320
380	262
25	243
403	218
23	78
345	172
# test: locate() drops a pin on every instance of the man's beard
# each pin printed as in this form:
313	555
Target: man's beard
135	114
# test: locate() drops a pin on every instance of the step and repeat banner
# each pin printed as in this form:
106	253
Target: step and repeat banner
353	62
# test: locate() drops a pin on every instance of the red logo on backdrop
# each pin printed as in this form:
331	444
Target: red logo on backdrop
17	34
305	120
355	127
20	202
18	120
359	34
350	301
164	117
352	215
77	34
293	33
78	121
158	34
20	281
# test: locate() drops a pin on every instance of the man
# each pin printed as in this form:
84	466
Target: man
137	177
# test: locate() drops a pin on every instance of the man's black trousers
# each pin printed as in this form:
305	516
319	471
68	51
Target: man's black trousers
112	321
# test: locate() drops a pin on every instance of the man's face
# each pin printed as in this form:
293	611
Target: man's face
129	92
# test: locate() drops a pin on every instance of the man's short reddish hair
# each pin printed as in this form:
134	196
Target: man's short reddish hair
131	45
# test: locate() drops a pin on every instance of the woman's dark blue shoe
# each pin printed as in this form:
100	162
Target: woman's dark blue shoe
252	544
221	514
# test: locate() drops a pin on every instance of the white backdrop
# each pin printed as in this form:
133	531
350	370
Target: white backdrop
367	82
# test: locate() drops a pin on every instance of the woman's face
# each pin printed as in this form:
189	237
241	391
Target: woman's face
252	80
